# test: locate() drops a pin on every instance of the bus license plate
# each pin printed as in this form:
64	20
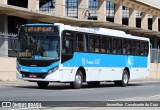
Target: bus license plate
32	76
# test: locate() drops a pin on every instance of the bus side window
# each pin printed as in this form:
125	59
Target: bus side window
81	42
103	44
106	44
91	43
114	48
146	48
68	49
126	46
135	47
97	44
109	44
142	50
117	46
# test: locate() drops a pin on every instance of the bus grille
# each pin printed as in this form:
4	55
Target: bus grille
38	75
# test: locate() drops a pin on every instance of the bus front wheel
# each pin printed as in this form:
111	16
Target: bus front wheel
124	81
42	84
77	84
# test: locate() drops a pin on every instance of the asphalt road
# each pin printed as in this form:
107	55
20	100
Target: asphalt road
26	91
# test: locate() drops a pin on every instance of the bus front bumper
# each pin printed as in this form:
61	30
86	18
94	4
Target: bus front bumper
54	77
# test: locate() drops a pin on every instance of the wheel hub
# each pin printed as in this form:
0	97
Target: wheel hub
125	78
78	79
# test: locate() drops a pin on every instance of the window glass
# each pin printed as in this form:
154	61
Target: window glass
91	44
103	44
67	43
146	48
135	47
117	46
79	42
97	44
142	48
126	46
106	44
94	43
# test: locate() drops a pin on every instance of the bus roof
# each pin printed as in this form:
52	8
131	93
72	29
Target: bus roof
104	31
94	30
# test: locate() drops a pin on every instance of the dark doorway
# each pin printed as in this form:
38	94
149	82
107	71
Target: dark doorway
20	3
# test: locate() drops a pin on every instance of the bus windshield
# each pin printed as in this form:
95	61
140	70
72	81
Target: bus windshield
39	47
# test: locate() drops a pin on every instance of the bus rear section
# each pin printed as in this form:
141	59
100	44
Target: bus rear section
96	57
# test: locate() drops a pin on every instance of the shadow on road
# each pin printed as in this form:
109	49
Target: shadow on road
62	86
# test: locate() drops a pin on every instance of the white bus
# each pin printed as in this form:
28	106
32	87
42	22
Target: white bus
64	53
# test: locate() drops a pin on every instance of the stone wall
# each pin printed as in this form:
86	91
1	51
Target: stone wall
7	69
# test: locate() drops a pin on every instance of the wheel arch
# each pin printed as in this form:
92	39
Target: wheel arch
127	69
83	73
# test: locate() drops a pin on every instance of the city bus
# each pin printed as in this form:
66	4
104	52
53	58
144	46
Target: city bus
69	54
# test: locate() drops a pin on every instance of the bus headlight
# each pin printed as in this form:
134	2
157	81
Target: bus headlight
18	69
53	70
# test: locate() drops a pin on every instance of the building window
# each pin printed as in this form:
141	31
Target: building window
125	12
19	3
138	14
93	9
72	8
110	9
47	6
150	22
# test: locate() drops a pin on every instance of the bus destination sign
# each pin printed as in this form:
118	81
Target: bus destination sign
40	29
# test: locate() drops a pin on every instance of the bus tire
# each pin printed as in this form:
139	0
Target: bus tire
42	84
124	81
77	84
94	83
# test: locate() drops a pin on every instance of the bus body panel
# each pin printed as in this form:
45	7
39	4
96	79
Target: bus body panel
56	76
137	73
101	67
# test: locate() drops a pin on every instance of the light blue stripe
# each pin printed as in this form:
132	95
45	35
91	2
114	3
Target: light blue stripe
37	69
106	60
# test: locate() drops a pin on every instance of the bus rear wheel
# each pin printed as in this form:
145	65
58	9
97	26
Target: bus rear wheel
77	84
124	81
42	84
94	83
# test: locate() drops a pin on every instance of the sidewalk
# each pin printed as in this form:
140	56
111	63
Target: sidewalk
16	83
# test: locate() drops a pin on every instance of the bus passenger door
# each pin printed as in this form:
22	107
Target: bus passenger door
67	46
67	54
